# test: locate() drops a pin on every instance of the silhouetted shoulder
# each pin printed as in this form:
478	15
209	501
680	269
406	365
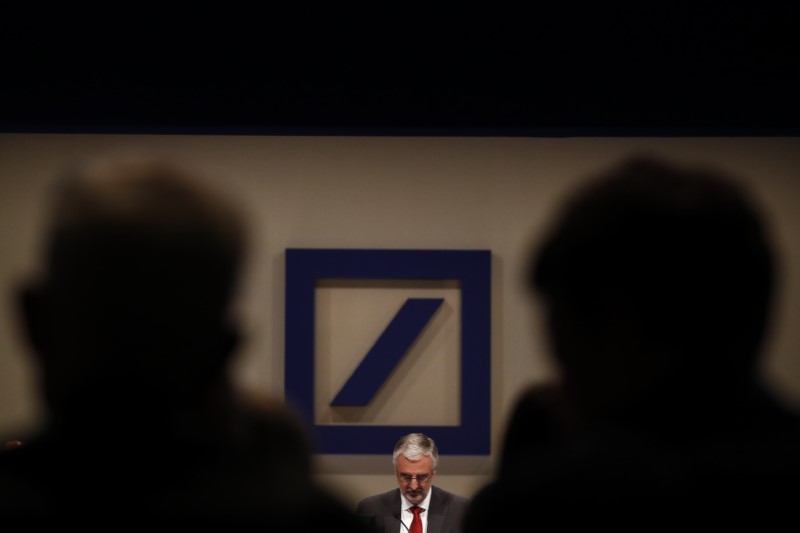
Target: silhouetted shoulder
536	423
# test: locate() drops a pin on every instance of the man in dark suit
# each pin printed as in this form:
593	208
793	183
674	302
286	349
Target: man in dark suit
415	459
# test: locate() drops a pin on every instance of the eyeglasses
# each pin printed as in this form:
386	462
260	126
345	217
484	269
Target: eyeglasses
421	478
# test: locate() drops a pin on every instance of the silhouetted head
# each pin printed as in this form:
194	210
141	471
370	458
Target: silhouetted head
655	275
141	262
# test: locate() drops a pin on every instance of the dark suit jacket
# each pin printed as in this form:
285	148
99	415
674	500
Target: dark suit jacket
444	516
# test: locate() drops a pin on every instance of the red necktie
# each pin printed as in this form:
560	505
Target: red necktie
416	523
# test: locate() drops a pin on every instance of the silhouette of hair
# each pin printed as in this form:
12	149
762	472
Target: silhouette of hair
145	227
142	259
681	249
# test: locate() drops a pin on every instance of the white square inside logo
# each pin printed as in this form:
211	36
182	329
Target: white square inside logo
425	386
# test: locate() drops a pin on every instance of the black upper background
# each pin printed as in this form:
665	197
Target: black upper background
602	71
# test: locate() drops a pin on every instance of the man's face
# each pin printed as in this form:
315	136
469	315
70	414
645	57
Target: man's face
414	477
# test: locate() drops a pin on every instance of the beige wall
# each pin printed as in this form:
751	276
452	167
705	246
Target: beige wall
391	192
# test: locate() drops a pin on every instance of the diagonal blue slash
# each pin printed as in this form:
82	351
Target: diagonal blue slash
387	351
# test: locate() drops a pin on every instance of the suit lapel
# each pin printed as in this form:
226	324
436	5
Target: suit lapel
391	511
436	513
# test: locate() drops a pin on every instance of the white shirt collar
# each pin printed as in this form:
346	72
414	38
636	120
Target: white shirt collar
425	503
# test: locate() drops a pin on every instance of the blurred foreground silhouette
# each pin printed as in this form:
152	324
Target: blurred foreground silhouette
132	333
657	283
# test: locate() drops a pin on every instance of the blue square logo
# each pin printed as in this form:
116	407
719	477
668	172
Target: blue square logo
450	286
